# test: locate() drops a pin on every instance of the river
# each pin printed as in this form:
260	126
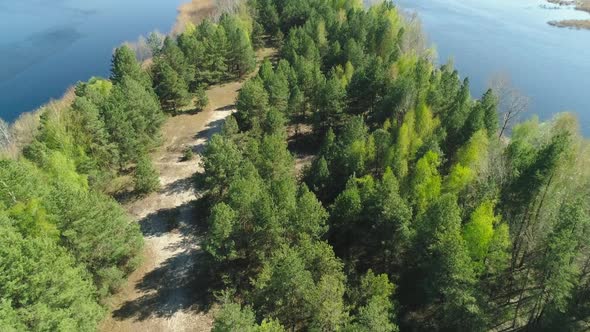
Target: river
485	37
47	46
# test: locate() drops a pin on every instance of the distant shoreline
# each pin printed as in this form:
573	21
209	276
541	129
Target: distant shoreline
581	5
572	24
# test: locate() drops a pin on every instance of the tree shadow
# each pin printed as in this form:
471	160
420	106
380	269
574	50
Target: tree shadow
177	187
182	282
212	128
226	108
304	144
191	111
176	285
184	219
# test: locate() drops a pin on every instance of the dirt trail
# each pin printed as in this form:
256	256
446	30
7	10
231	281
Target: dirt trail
162	294
168	291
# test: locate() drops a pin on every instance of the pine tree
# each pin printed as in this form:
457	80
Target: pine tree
170	87
446	269
240	57
146	177
124	63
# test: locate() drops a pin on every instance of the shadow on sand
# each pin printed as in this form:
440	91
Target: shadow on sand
174	286
181	282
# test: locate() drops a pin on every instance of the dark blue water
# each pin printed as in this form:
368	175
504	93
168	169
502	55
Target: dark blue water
484	37
48	45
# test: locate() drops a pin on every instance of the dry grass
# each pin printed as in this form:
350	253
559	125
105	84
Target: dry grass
572	24
193	12
582	5
562	2
25	127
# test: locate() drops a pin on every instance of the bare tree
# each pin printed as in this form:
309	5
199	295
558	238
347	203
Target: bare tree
146	48
511	101
227	6
5	134
414	38
370	3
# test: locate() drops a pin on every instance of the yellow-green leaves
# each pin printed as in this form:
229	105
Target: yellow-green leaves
418	126
478	232
470	160
426	181
31	220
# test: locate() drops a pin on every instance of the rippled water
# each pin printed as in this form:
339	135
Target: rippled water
47	46
484	37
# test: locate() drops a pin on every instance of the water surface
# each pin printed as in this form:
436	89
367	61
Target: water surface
485	37
47	46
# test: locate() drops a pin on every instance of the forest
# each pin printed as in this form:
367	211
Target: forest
421	209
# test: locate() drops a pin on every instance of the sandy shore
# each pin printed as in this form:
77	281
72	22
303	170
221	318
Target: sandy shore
582	5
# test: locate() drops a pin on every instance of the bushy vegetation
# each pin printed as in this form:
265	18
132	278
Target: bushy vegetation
414	214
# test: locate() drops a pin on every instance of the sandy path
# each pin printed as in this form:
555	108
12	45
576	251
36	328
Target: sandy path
163	294
168	292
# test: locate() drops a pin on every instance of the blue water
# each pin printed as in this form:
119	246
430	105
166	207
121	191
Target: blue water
485	37
47	46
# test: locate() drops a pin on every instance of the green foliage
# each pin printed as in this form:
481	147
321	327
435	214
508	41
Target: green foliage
232	317
188	154
418	187
201	99
133	117
221	160
124	63
146	178
426	181
479	231
241	58
470	161
559	271
171	88
287	288
41	288
221	225
252	104
409	185
446	268
375	307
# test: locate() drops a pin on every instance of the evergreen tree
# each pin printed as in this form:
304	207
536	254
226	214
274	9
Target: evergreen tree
241	58
41	288
175	58
252	104
446	271
146	178
170	87
124	63
375	308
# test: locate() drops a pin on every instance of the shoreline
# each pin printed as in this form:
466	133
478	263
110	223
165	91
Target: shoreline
579	24
571	24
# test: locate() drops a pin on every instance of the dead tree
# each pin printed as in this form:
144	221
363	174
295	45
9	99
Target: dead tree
511	101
